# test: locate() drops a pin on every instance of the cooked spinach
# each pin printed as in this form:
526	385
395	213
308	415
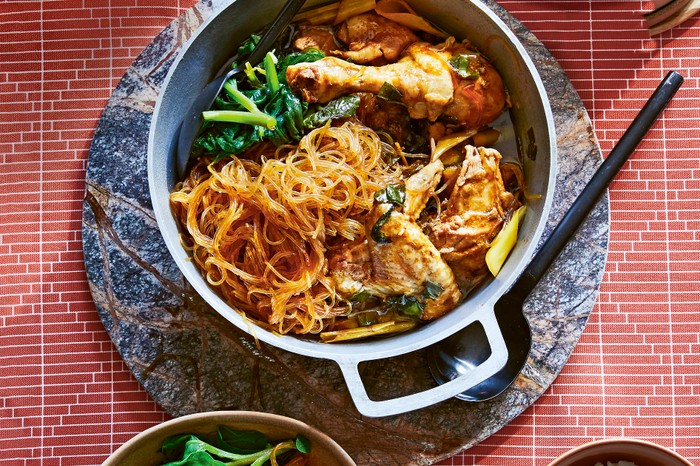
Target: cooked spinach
259	105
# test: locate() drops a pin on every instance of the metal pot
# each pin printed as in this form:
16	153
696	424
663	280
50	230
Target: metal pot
533	137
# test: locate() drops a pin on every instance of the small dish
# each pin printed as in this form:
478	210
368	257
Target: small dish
144	448
639	452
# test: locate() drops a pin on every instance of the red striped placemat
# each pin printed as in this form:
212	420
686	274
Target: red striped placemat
67	398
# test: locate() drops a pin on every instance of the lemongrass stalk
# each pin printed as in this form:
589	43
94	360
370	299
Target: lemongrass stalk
382	328
448	142
322	15
504	242
350	8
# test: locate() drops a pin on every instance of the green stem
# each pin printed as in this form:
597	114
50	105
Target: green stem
248	118
271	73
238	96
258	458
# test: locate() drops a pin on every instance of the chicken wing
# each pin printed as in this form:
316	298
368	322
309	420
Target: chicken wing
427	82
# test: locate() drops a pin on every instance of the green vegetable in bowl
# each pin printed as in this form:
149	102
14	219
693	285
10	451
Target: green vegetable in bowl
230	447
260	106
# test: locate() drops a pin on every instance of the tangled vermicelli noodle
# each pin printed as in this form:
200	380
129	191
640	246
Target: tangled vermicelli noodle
259	228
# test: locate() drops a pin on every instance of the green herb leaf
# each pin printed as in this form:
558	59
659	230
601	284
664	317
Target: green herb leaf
360	297
376	232
432	291
407	305
247	47
390	93
342	107
303	444
394	194
465	65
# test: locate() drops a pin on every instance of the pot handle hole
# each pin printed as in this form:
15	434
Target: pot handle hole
368	407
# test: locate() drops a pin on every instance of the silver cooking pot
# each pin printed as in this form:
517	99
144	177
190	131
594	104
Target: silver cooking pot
533	137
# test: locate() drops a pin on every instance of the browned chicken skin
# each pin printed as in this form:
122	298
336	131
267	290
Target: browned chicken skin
373	39
316	37
406	261
429	86
473	216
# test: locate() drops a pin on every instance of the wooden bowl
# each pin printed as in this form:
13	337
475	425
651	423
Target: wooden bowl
144	448
639	452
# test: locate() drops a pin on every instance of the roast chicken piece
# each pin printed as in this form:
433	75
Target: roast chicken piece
428	85
474	214
316	37
406	261
373	39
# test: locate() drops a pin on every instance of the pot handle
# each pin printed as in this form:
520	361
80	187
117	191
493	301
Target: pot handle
367	407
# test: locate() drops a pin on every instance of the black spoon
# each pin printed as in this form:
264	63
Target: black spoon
467	348
192	121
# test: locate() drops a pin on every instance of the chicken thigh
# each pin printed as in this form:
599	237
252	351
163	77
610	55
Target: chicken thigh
474	214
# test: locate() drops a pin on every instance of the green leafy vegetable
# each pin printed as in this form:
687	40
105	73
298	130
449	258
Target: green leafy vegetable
360	297
342	107
465	65
376	232
240	441
414	305
431	291
247	47
249	111
394	194
367	318
390	93
233	448
271	72
407	305
247	118
303	444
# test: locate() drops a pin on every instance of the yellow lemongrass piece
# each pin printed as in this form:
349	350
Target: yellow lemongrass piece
350	8
398	11
322	15
504	242
448	142
382	328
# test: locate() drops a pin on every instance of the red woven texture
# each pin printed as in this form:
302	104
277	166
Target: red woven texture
66	397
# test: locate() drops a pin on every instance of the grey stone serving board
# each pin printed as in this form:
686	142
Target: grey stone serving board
189	359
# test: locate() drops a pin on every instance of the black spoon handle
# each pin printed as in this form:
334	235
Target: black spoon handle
284	17
585	202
